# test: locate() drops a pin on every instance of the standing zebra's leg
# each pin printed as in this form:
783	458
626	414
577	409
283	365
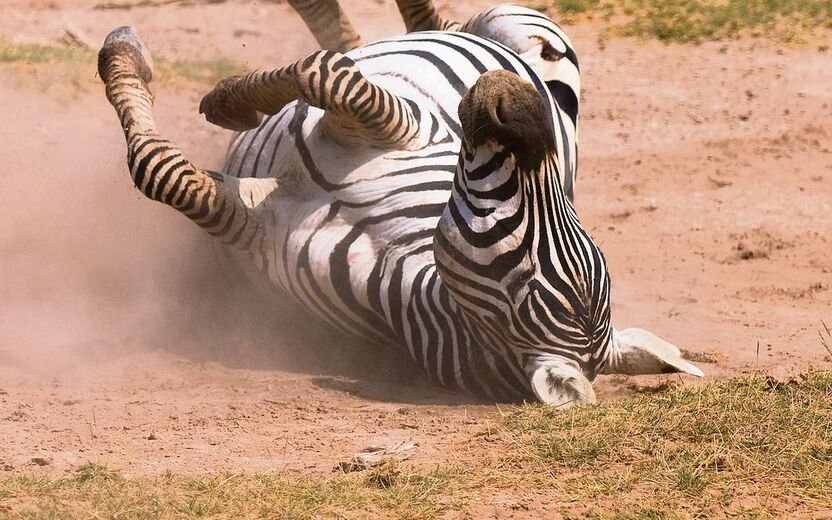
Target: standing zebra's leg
420	15
217	203
357	111
328	23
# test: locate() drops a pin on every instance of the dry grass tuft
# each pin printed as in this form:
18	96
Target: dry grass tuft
96	491
748	447
83	61
744	445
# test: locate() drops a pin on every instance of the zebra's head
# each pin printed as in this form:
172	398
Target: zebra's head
511	250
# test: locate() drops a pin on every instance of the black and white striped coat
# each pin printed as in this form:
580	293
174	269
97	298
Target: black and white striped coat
417	191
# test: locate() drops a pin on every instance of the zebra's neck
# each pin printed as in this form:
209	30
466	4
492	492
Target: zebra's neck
514	257
455	348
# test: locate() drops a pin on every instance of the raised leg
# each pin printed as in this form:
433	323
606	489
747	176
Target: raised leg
356	110
421	15
328	23
158	168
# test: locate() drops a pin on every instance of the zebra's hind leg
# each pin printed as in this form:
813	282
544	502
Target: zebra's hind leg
560	384
158	168
421	15
328	23
357	111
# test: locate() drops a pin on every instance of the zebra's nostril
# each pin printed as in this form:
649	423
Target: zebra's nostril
500	115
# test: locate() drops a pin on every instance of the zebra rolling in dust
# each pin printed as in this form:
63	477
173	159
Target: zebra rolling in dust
415	191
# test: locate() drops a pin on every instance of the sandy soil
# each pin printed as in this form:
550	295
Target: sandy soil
706	176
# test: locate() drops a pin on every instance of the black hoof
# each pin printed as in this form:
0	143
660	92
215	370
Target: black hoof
124	41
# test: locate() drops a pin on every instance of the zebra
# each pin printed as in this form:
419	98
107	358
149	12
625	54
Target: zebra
414	191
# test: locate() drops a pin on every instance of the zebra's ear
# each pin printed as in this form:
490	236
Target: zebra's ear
637	351
561	385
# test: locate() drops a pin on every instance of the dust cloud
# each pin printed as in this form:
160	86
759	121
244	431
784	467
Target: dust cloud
90	269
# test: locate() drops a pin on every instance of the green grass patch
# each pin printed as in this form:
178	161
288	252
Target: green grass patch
747	447
694	21
202	72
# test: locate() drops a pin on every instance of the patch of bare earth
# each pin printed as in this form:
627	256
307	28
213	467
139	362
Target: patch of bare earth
705	175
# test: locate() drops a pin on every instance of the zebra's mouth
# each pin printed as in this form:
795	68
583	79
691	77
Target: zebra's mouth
503	107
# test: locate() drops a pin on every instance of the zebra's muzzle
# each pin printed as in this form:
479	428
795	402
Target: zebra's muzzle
504	108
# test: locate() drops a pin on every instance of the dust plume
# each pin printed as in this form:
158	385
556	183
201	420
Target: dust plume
90	269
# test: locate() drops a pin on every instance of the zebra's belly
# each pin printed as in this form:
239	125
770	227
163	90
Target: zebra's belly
352	259
351	226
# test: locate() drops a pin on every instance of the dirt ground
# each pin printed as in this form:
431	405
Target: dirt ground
705	176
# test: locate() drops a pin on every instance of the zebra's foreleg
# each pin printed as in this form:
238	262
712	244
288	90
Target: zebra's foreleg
356	109
158	168
328	23
421	15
